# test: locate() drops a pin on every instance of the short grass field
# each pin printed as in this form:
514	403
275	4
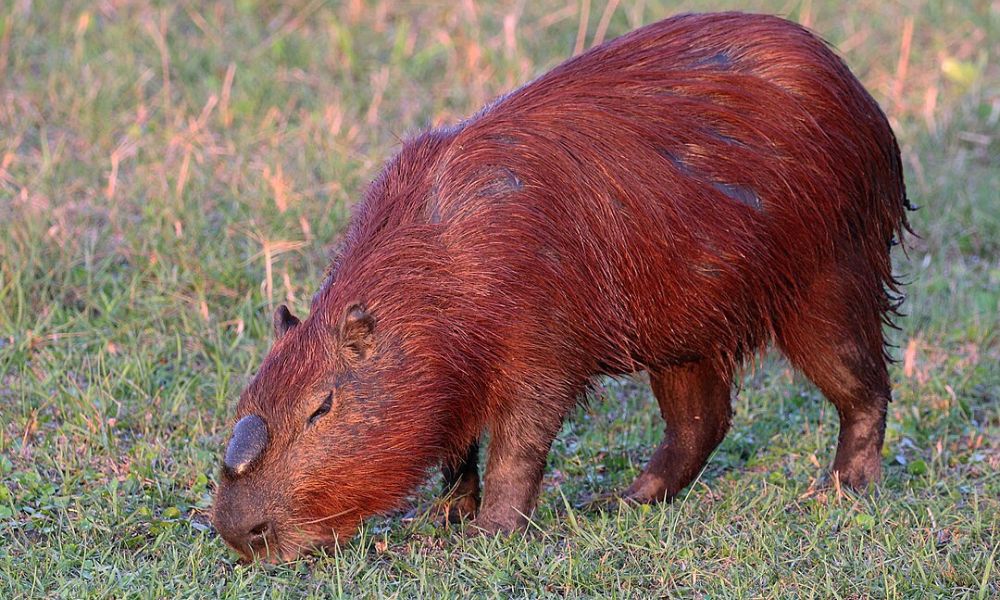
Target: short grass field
171	171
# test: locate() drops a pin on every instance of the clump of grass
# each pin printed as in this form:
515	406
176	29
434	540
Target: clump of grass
169	172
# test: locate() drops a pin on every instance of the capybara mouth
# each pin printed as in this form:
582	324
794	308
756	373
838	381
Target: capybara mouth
274	551
281	546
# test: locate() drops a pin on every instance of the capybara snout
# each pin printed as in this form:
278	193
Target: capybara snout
672	201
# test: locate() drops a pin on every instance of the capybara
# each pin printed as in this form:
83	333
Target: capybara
672	201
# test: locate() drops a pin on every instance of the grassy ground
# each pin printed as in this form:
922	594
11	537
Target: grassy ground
169	172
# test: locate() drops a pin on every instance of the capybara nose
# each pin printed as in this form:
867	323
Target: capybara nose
249	540
259	536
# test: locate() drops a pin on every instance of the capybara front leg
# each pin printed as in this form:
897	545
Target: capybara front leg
694	401
460	495
516	461
835	338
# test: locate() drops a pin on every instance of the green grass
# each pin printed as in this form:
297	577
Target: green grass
168	173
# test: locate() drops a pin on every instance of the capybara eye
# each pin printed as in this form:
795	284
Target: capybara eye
322	410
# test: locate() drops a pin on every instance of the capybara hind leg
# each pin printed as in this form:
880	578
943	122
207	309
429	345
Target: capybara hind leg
516	460
835	339
694	401
460	496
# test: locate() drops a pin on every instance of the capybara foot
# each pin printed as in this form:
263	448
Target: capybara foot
859	473
498	523
456	510
859	458
649	488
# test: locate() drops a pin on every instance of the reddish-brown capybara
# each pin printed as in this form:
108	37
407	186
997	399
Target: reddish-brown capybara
671	201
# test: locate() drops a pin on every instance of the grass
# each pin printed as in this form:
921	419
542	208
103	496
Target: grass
169	172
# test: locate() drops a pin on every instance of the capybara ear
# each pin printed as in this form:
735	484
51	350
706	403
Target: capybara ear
357	331
283	321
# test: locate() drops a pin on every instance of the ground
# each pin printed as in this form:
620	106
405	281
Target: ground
169	172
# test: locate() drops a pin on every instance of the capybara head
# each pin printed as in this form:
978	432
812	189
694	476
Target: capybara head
318	443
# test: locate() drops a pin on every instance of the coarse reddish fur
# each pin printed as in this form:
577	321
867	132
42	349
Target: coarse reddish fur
672	201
